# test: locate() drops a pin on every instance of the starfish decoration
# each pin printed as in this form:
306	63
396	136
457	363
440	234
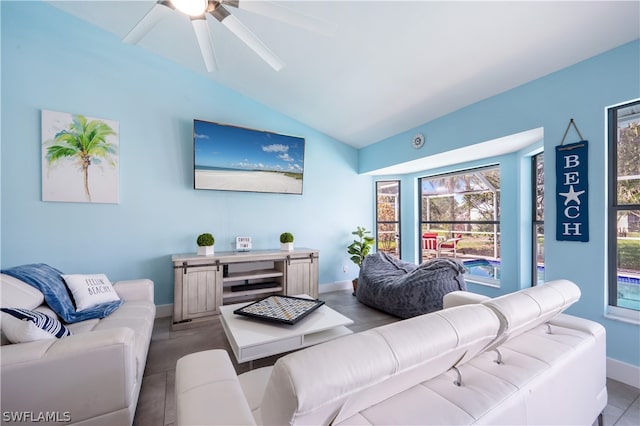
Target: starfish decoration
571	195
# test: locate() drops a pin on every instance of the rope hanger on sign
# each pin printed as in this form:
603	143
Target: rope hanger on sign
573	146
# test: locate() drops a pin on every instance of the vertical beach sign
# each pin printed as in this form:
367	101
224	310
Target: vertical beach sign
572	192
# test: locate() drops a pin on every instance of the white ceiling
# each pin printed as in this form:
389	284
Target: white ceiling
387	66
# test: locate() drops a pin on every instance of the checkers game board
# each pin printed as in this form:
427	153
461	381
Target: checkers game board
283	309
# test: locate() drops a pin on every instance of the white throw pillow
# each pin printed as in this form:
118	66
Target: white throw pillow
90	290
23	325
17	293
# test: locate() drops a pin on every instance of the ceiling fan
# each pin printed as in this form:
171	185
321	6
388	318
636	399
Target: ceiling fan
198	10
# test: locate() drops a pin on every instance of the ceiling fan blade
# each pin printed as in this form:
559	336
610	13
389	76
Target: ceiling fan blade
282	13
247	37
203	35
157	13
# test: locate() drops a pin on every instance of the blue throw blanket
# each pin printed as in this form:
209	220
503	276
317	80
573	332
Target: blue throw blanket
50	282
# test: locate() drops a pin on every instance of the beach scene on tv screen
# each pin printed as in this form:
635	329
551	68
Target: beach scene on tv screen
231	158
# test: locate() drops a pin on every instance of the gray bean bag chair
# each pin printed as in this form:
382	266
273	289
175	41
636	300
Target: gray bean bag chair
404	289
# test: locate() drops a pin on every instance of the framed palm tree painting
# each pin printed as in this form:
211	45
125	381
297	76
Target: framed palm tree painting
79	158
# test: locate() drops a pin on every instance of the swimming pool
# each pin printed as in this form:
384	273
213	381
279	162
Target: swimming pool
628	286
483	268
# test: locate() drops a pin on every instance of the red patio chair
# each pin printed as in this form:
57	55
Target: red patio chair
430	243
450	245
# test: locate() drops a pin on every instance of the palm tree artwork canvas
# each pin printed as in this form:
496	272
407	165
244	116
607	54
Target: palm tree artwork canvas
79	158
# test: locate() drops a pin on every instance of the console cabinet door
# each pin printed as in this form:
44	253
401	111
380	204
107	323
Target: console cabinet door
200	295
302	277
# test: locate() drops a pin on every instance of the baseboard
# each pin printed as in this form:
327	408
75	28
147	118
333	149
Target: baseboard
163	311
336	286
623	372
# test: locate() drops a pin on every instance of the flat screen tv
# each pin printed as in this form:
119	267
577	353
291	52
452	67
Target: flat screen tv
232	158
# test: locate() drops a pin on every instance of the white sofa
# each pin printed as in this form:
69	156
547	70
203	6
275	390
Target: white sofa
92	377
510	360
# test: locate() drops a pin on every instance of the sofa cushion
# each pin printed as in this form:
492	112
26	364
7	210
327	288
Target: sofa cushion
85	326
138	316
18	294
208	391
360	370
24	325
89	291
253	384
526	309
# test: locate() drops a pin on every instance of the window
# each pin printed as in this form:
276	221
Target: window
624	206
537	236
388	217
460	217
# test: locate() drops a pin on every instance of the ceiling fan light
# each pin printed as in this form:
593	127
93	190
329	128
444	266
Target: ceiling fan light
190	7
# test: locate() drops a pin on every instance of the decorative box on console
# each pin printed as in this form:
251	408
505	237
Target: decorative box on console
243	243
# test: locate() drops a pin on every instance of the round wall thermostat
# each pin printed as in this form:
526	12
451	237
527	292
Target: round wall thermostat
418	141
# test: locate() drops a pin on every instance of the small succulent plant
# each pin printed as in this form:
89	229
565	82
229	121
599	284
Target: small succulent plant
205	239
286	237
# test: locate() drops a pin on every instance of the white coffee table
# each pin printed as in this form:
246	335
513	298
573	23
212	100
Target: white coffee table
252	339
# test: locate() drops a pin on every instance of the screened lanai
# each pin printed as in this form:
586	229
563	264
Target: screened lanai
463	211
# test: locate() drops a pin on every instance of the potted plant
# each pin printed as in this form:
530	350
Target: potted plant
359	249
205	244
286	241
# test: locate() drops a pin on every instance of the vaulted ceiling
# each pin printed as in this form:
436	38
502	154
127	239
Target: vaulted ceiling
385	66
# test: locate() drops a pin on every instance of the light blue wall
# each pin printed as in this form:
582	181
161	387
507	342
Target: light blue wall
582	92
53	61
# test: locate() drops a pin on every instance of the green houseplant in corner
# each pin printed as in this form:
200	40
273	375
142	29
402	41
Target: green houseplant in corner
205	244
286	241
359	249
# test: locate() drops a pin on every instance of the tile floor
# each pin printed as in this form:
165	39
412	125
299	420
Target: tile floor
156	405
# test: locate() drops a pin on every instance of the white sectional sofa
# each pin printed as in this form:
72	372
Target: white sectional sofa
510	360
92	377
